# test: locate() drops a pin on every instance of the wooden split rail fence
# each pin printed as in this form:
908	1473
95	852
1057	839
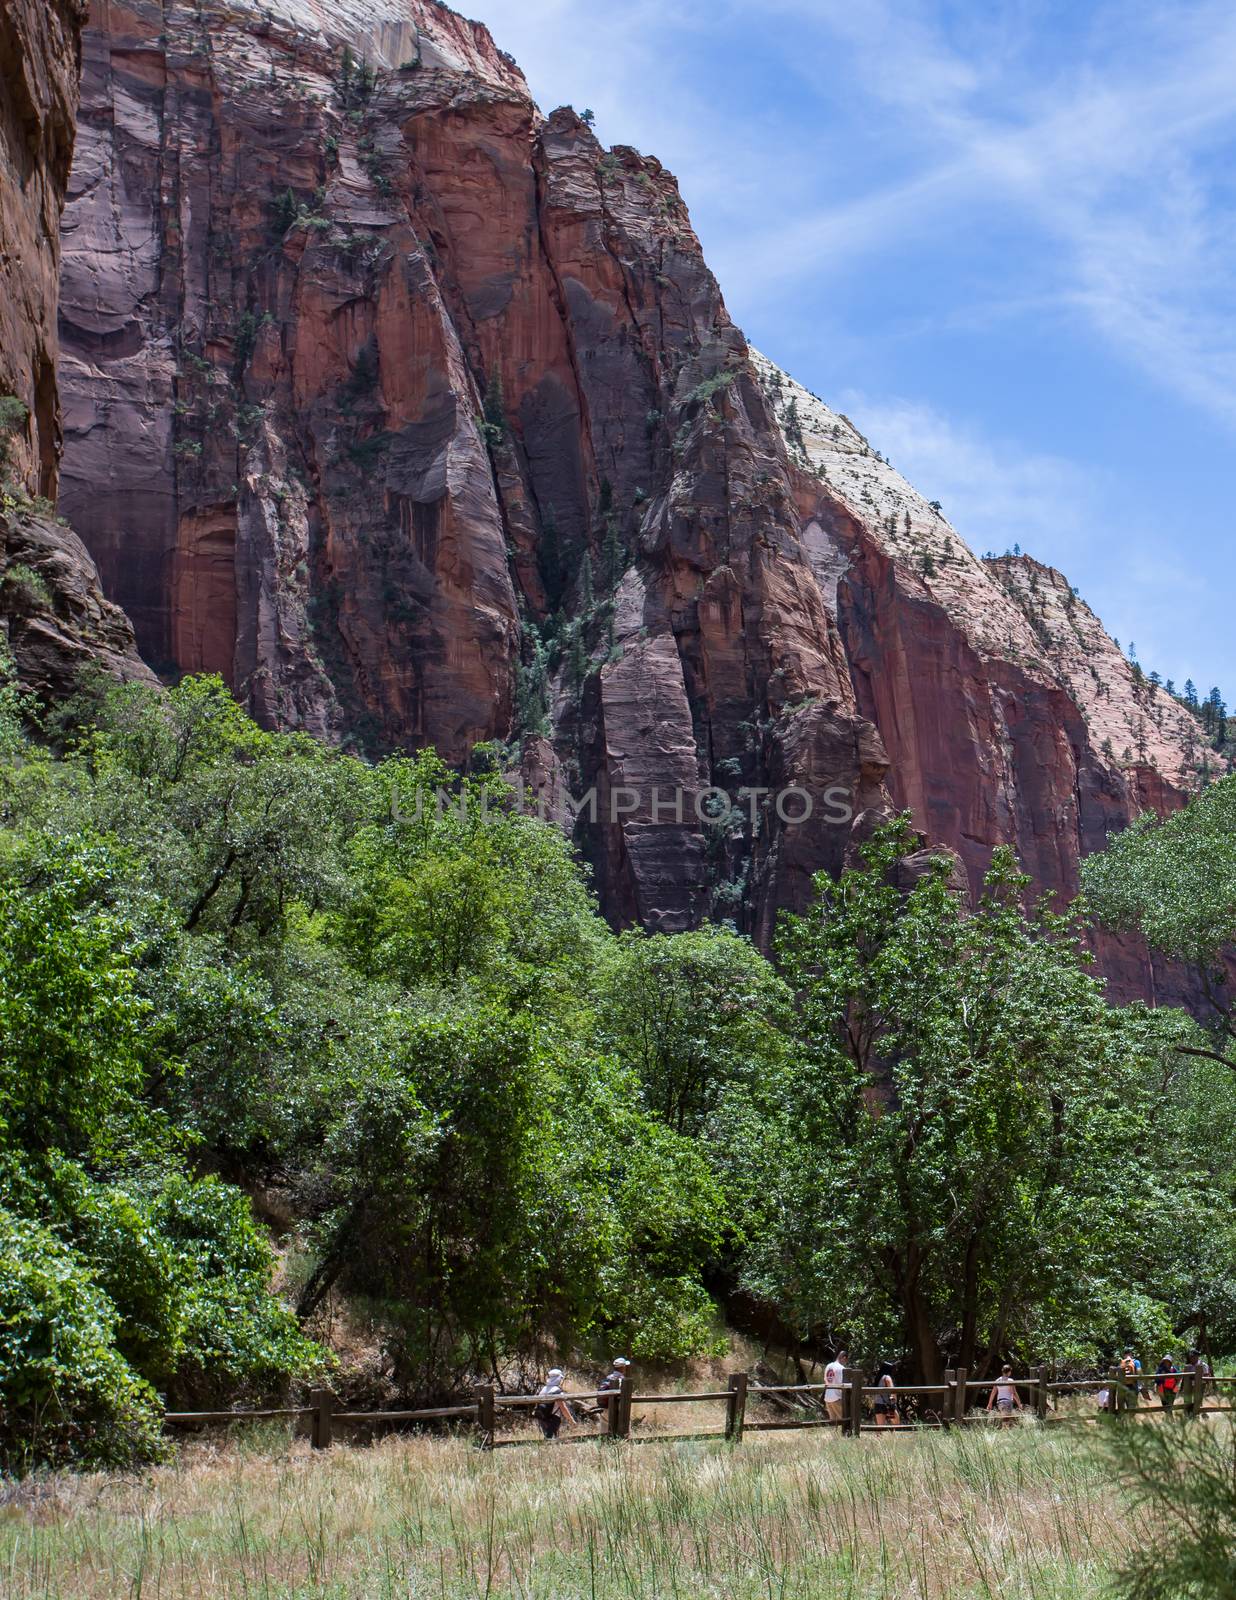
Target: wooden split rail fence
941	1405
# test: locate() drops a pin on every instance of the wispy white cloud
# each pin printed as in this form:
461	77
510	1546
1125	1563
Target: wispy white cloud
993	492
1115	162
998	495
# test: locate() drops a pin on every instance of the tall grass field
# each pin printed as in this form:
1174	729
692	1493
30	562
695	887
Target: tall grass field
1020	1512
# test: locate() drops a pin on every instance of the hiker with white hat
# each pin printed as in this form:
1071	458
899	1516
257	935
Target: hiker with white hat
619	1368
554	1409
611	1383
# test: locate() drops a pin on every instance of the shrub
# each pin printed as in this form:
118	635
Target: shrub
13	416
1183	1477
68	1393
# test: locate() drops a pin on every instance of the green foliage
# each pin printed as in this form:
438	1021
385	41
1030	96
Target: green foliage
963	1163
70	1016
1181	1485
694	1015
531	685
384	1000
710	386
13	415
69	1395
355	81
1174	881
32	584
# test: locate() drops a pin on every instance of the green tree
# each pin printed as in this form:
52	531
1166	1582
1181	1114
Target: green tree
957	1168
1173	880
693	1014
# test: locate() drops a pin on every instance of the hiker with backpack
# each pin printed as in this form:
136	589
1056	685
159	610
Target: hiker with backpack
553	1409
1167	1381
610	1384
1131	1375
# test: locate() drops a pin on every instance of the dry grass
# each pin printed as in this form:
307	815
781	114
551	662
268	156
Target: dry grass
1016	1513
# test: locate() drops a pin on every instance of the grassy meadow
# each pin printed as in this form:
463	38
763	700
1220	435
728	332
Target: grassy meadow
1020	1512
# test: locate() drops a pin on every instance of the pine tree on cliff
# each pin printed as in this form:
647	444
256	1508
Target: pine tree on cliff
613	555
578	661
549	558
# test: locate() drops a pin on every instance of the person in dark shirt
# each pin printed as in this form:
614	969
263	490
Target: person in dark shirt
620	1368
610	1384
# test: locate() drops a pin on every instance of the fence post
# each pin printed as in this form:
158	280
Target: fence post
486	1414
1040	1396
853	1424
961	1395
1115	1380
613	1413
736	1407
950	1400
626	1392
323	1403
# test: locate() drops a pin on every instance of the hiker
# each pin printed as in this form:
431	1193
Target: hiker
1103	1398
554	1409
619	1368
1131	1373
1167	1381
834	1393
1004	1396
886	1412
1201	1372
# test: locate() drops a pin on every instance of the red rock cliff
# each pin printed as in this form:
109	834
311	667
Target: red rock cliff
53	616
1009	714
421	418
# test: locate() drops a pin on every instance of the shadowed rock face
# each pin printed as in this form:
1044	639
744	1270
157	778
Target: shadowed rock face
52	612
420	417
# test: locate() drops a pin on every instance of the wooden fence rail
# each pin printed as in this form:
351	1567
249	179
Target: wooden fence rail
937	1405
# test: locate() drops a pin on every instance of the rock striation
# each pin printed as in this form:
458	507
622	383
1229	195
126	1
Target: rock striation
40	59
53	615
420	417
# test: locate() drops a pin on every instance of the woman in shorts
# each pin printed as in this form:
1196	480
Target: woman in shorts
886	1412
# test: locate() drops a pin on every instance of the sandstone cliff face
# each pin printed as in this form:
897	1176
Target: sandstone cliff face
40	57
1009	714
52	611
60	629
421	418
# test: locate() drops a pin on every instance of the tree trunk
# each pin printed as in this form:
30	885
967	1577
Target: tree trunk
969	1304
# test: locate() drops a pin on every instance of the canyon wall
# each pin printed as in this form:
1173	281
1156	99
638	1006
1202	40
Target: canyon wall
53	616
40	60
419	416
1009	714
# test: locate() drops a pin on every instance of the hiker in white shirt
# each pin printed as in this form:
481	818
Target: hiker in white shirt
834	1378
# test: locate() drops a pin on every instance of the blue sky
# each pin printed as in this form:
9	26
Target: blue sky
1001	236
